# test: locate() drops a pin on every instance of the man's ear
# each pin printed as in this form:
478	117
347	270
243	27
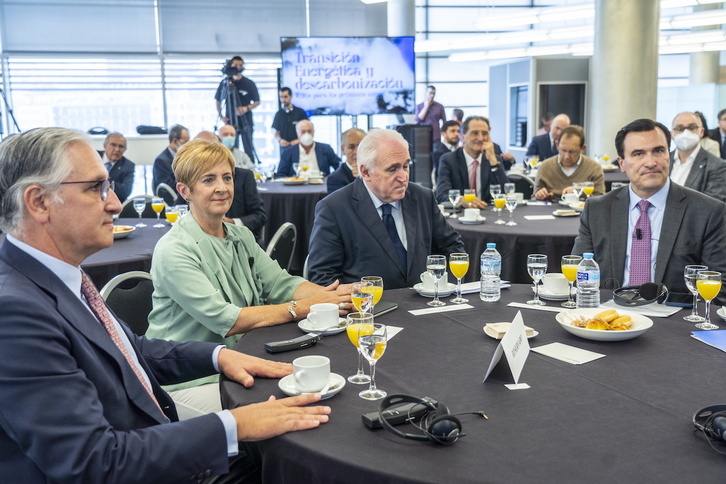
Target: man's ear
36	201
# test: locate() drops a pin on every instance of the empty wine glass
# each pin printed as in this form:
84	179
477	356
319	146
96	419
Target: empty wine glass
436	267
459	265
511	202
357	324
454	198
139	206
709	285
569	270
536	267
296	169
690	275
372	346
577	189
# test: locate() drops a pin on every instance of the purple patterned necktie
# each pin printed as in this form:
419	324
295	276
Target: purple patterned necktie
640	248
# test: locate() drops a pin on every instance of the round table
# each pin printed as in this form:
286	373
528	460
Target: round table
553	237
291	203
132	253
622	418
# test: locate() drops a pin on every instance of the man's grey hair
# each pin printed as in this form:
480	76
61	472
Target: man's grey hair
36	157
115	134
374	142
176	132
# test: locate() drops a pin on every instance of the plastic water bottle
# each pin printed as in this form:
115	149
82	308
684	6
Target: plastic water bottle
588	282
491	268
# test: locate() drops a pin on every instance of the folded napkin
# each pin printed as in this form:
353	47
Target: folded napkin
539	217
441	309
654	310
536	308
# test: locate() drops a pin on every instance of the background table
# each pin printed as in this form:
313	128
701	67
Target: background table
553	238
296	204
132	253
625	417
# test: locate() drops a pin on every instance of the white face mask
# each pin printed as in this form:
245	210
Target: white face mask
228	141
686	140
306	139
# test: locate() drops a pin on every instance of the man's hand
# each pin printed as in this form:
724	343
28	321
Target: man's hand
268	419
508	157
241	110
568	190
543	194
284	143
480	204
242	368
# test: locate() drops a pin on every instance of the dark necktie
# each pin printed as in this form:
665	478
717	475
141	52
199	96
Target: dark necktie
393	233
640	248
98	306
472	177
109	165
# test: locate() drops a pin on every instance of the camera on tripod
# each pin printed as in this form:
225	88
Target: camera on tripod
230	71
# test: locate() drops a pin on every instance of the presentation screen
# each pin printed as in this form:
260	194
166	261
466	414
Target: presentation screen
350	75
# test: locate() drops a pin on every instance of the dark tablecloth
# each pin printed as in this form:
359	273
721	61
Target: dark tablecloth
623	418
296	204
553	238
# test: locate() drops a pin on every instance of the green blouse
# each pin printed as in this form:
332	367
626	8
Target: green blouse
201	282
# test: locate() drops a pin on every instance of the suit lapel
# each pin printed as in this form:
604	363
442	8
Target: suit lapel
368	217
619	232
695	176
672	217
461	165
409	208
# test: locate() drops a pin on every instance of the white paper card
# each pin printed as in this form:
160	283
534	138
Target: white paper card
539	217
654	310
392	331
551	309
567	353
514	346
441	309
517	386
472	287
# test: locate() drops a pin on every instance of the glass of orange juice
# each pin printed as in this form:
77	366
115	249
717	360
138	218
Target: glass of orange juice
588	188
359	324
500	201
459	265
469	196
157	204
172	215
375	288
362	299
709	285
569	270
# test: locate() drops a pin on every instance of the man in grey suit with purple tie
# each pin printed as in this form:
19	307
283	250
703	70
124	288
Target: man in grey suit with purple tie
683	226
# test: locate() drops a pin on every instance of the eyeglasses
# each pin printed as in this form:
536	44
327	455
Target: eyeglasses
691	127
102	185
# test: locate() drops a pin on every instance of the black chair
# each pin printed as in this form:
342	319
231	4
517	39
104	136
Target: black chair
282	245
167	193
129	297
523	184
128	211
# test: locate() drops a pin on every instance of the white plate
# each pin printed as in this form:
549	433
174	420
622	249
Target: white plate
566	213
551	296
478	221
287	385
577	207
722	312
305	325
425	293
127	229
492	334
287	181
640	325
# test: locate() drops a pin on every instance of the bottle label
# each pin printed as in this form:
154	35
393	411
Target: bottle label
588	277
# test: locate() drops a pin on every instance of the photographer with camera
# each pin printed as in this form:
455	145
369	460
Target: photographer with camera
239	95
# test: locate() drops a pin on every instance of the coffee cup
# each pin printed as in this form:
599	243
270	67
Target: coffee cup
555	283
428	282
471	214
442	208
570	198
311	373
519	196
323	315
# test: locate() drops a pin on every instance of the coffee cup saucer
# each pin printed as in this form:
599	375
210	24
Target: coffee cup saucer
545	293
419	288
287	385
307	326
472	221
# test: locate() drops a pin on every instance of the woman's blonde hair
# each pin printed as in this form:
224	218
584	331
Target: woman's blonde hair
197	157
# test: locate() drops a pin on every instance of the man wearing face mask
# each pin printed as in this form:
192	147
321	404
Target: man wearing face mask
228	135
692	166
318	158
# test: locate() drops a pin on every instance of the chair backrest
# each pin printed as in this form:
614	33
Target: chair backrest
127	210
167	193
282	245
129	297
523	184
306	268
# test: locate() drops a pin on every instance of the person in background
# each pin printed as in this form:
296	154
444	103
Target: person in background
651	229
545	123
719	134
286	119
228	135
691	166
347	172
457	115
706	142
120	169
242	93
212	281
319	158
449	142
432	113
545	145
81	398
380	224
556	175
473	166
162	172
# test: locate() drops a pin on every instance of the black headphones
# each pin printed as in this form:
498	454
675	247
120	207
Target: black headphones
711	421
437	424
640	295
